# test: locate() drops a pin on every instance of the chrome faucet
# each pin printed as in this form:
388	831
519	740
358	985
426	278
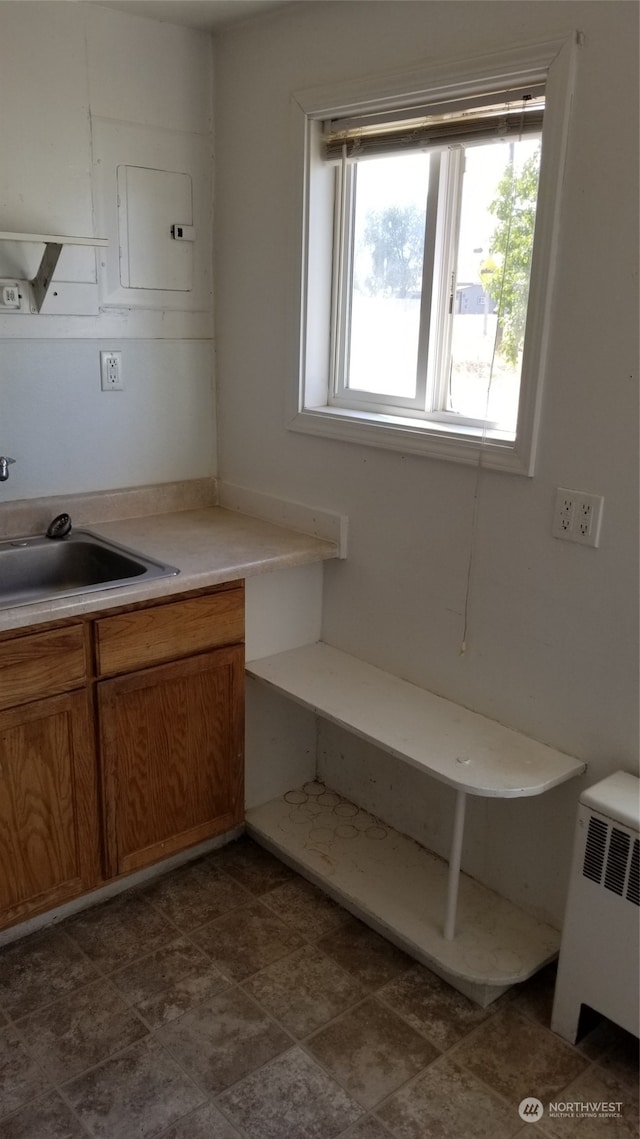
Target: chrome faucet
4	467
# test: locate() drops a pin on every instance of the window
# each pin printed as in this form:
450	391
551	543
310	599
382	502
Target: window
430	223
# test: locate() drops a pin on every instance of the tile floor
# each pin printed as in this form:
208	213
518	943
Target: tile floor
231	1000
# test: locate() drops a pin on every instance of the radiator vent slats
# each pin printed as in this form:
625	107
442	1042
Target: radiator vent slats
617	861
633	887
594	849
612	852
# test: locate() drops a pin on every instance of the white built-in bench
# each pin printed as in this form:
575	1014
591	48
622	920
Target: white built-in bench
472	754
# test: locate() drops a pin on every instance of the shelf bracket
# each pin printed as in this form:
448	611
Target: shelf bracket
41	283
53	243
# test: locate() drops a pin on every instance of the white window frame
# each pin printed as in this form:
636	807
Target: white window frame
311	409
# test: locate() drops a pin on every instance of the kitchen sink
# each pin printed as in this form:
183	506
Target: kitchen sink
43	569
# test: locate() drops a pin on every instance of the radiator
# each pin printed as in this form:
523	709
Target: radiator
600	948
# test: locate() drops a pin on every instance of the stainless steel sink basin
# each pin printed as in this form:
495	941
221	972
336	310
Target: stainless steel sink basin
41	569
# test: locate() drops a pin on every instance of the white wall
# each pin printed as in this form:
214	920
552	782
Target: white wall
66	435
552	626
70	73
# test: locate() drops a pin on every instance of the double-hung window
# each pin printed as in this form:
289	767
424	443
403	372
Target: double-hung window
430	229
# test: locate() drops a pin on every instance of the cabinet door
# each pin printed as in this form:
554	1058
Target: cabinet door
49	849
172	755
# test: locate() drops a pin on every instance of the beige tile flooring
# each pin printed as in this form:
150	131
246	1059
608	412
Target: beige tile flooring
231	1000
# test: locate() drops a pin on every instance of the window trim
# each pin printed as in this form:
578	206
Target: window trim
309	410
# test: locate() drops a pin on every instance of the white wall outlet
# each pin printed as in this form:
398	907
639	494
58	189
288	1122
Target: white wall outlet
16	296
111	371
565	512
577	516
10	296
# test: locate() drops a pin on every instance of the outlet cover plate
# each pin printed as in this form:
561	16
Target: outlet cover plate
111	372
577	516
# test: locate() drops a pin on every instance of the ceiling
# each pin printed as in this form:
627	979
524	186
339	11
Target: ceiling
207	15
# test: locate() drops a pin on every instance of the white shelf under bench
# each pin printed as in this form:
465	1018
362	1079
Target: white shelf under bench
467	933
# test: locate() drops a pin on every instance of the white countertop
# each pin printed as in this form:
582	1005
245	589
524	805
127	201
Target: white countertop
208	546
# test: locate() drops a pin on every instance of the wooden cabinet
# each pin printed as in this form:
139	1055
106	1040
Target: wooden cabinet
49	848
172	754
121	743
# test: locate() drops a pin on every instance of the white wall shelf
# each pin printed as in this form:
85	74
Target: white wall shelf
443	739
467	751
53	244
55	239
400	889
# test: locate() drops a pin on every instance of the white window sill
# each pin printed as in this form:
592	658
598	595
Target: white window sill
466	445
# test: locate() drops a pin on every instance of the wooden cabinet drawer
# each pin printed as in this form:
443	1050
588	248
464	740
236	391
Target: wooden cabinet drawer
41	664
162	633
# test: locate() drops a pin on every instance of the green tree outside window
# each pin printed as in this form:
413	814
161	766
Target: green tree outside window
515	210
